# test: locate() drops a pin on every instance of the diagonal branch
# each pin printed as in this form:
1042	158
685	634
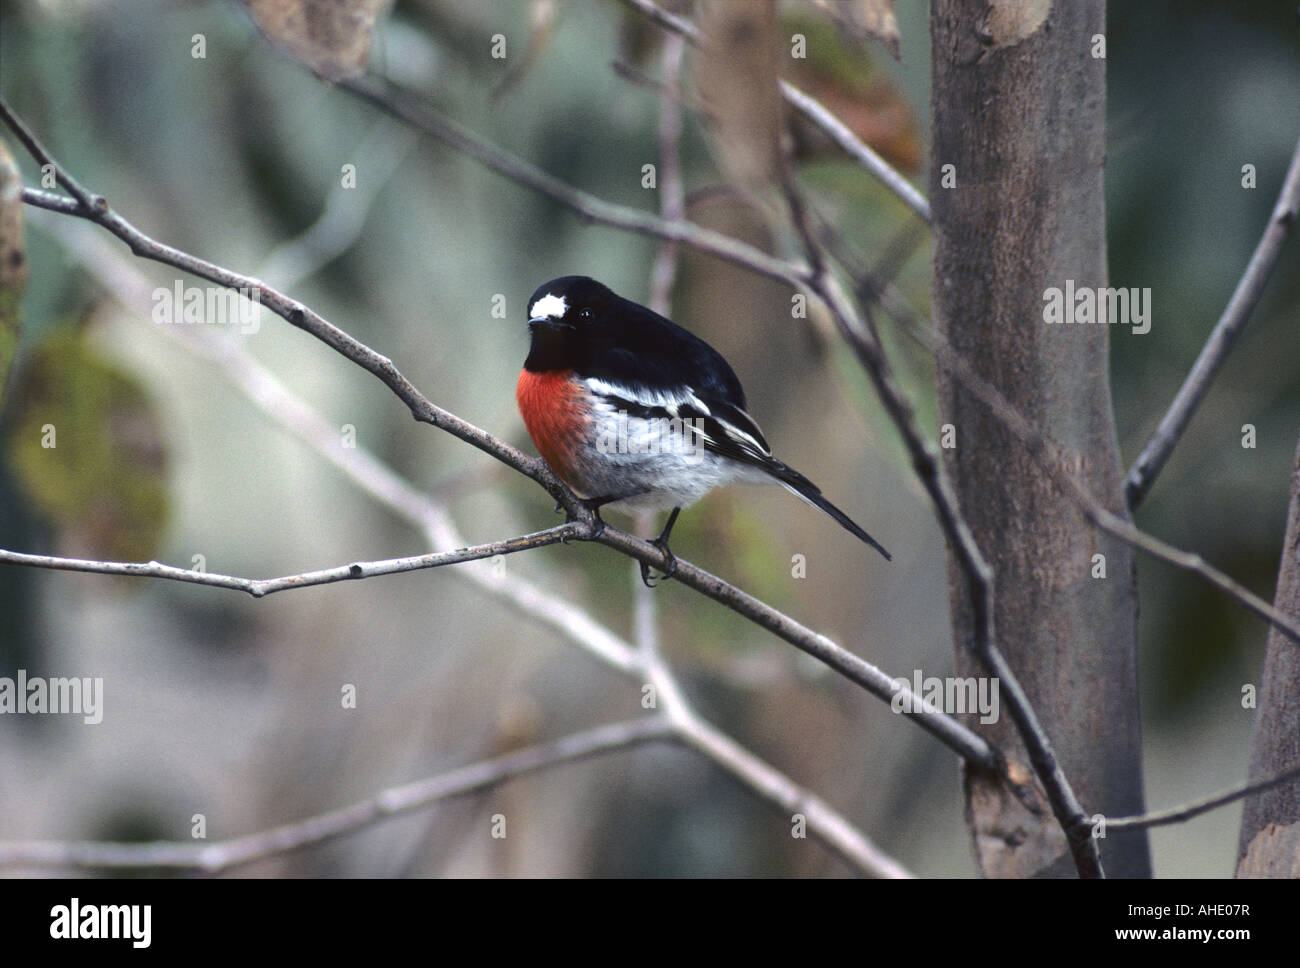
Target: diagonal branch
854	668
979	574
391	99
393	802
1224	335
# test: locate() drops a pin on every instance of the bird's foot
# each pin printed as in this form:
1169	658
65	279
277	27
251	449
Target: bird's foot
593	505
662	545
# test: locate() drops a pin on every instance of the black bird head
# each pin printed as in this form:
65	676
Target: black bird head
563	316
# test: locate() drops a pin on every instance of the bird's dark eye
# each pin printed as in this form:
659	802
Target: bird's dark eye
584	314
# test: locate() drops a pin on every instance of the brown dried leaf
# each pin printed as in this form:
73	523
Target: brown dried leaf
865	20
332	37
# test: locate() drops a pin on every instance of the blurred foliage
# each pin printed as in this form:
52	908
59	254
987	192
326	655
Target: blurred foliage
86	444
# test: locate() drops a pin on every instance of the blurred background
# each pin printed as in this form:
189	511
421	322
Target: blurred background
220	705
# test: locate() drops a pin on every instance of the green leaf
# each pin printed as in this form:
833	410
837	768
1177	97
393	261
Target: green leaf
87	449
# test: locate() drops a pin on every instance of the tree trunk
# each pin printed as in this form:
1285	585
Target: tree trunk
1019	111
1270	824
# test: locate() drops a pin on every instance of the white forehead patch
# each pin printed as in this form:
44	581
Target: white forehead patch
549	307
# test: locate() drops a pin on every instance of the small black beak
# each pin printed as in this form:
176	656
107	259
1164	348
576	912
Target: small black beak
548	322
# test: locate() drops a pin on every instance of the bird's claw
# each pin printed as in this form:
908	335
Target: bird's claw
672	565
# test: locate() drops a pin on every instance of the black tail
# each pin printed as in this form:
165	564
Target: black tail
806	490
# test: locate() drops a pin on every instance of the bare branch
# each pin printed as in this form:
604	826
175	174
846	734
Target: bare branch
395	801
1230	325
857	149
666	19
979	575
401	105
971	747
260	587
1159	818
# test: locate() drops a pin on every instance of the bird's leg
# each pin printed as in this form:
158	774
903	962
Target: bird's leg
661	543
594	504
594	508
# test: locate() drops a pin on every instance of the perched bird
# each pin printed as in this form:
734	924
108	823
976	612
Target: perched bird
632	411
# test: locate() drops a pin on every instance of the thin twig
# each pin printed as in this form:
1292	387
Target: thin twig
1230	325
857	149
260	587
1054	459
1159	818
395	801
